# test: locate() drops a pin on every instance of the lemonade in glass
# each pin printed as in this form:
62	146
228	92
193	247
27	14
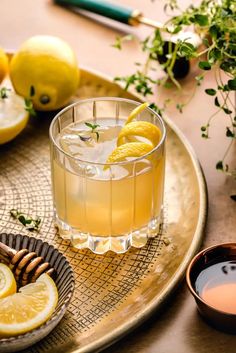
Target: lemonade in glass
107	186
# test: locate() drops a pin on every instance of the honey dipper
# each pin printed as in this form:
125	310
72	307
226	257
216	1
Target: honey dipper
25	265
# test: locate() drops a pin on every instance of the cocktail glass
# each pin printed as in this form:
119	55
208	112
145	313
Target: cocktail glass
97	205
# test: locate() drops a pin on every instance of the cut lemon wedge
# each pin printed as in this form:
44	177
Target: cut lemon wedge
13	116
136	111
140	128
28	309
131	149
7	281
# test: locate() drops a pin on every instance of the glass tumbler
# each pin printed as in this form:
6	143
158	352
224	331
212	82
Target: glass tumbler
105	206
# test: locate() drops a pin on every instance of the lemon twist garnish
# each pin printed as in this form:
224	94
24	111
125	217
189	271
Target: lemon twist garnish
127	143
135	112
131	149
139	128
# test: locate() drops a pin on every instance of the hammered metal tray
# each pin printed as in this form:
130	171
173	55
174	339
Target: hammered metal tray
114	293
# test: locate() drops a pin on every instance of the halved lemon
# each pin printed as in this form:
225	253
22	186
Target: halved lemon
28	309
7	281
131	149
142	129
13	116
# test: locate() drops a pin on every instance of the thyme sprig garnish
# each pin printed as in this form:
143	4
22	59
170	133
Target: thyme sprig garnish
215	22
93	128
4	92
30	223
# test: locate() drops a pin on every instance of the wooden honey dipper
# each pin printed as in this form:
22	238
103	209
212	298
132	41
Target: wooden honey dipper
25	265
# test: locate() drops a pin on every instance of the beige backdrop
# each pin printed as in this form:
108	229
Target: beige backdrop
178	328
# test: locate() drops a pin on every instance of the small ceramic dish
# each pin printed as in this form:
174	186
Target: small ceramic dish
211	278
64	280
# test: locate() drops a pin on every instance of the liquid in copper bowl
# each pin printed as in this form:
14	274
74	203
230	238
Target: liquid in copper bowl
216	285
211	278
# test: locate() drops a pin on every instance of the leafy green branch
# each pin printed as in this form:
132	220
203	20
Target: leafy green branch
27	221
215	22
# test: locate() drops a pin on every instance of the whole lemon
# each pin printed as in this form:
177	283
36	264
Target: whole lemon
3	64
45	69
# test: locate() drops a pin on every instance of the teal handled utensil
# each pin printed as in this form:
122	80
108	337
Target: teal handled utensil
134	18
111	10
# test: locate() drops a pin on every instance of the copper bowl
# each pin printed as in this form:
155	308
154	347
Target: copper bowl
219	319
64	281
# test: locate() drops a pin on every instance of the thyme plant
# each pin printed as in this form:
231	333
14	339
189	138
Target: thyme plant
215	22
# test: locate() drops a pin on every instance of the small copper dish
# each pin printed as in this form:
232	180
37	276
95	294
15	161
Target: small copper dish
211	278
44	258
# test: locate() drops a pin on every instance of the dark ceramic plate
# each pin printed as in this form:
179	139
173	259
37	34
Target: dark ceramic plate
64	281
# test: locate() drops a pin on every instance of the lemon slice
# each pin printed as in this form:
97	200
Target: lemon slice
136	111
140	128
7	281
131	149
13	116
28	309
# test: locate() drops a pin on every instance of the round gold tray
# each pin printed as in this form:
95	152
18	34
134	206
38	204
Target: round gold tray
113	293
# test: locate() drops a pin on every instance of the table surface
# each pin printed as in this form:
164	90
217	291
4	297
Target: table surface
178	327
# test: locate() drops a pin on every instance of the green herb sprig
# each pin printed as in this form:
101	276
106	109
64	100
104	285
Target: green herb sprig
29	103
93	128
30	223
215	22
120	40
4	92
29	107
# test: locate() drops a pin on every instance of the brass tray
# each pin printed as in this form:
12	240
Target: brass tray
113	293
